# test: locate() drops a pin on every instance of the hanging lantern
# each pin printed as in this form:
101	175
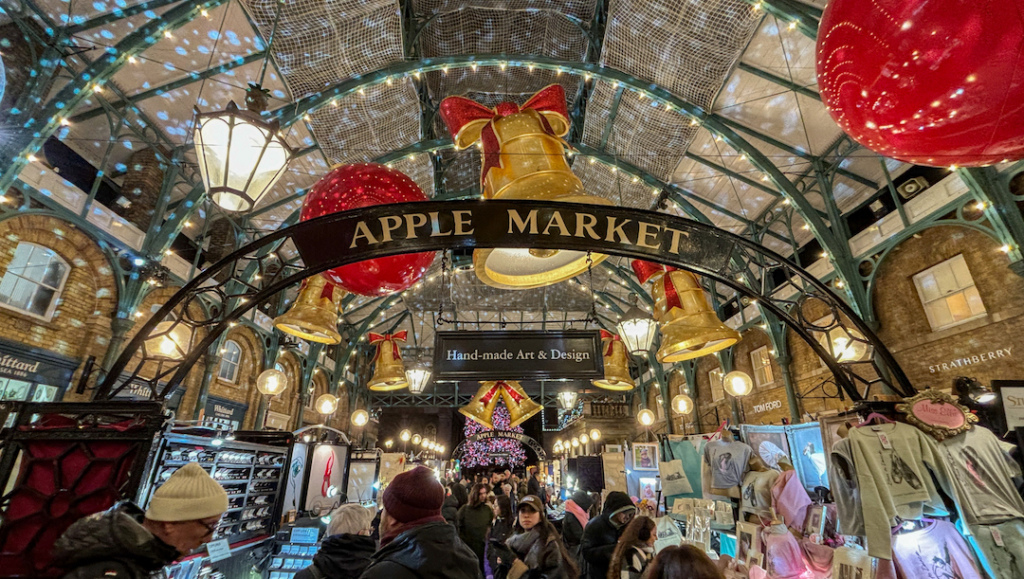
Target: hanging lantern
636	328
326	404
616	364
689	327
682	404
241	154
314	315
567	399
418	376
524	158
360	417
595	435
481	407
738	383
575	442
584	438
389	372
520	406
271	382
645	417
845	345
365	185
170	340
417	439
405	436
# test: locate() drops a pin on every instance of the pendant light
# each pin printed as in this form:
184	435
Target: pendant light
738	383
241	154
360	417
637	328
326	404
645	417
682	404
418	375
271	382
567	399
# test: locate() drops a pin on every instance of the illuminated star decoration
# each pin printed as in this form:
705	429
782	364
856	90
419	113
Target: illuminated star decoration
495	451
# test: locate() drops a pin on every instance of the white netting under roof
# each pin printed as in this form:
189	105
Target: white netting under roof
318	44
582	10
499	30
601	180
419	168
643	133
363	127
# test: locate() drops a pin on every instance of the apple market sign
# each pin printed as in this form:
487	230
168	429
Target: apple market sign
970	360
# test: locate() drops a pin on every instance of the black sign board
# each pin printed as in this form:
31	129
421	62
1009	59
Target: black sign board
224	413
30	364
527	355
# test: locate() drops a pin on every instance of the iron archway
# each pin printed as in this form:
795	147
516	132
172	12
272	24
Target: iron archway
508	434
775	283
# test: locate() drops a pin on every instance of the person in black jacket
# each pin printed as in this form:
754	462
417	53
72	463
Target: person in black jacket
415	540
452	504
575	520
535	551
346	551
501	530
533	487
603	532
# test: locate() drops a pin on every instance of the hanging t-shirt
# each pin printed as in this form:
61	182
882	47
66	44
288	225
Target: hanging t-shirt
756	490
894	463
843	477
727	462
981	476
935	552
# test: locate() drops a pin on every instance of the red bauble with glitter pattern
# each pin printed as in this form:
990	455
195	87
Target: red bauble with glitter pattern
364	185
932	82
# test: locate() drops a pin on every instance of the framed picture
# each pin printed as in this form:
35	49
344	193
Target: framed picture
756	558
810	459
768	442
645	456
748	540
814	524
613	448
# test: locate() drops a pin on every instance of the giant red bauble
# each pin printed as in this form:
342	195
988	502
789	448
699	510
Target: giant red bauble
363	185
932	82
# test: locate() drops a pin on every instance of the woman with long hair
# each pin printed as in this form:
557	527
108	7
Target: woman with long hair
536	550
635	549
474	521
501	530
685	562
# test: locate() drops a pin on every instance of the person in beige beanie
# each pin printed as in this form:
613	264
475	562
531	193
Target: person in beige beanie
125	542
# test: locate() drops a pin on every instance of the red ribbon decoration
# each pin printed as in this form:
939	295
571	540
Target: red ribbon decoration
324	486
328	291
495	388
513	394
460	112
671	295
393	338
645	270
612	338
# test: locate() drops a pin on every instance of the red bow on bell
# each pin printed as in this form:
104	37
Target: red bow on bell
612	338
644	270
469	121
393	338
328	291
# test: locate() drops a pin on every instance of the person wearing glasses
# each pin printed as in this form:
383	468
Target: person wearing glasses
126	542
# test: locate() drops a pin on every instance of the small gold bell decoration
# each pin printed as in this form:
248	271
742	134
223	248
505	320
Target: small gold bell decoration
314	315
481	407
524	158
689	327
389	373
616	364
520	406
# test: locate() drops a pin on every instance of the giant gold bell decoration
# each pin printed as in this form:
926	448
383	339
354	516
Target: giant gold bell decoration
314	316
524	158
389	372
520	406
481	407
616	364
689	327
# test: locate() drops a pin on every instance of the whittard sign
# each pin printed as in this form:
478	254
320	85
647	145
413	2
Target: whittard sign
527	355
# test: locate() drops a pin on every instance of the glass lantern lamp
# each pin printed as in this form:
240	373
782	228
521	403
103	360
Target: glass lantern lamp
326	404
360	417
682	404
637	329
845	345
567	399
271	382
241	154
418	376
738	383
417	439
645	417
405	435
595	434
171	341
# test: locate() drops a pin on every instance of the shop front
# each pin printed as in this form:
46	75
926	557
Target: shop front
33	374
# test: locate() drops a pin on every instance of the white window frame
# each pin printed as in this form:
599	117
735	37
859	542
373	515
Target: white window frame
58	290
949	292
717	376
755	359
225	361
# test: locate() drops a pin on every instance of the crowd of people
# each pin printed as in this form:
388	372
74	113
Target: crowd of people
495	526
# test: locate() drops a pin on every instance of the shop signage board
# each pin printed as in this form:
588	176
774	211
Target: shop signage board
525	355
22	362
1013	405
955	364
224	413
938	414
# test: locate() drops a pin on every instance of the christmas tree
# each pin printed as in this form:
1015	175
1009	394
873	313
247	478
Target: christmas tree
494	451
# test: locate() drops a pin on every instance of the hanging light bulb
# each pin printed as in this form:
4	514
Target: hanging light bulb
575	442
595	435
682	404
241	154
637	329
567	399
271	382
584	438
389	443
405	435
418	375
360	417
170	342
845	345
417	439
645	417
326	404
738	383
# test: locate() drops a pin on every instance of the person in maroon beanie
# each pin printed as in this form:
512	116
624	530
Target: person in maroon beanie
415	540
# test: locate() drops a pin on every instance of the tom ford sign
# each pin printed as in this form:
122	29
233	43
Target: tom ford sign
529	355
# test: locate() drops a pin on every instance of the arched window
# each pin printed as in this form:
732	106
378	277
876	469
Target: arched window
33	280
231	355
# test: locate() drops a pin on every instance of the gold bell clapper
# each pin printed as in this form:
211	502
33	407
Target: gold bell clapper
524	158
689	327
389	372
314	315
481	407
616	364
520	406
